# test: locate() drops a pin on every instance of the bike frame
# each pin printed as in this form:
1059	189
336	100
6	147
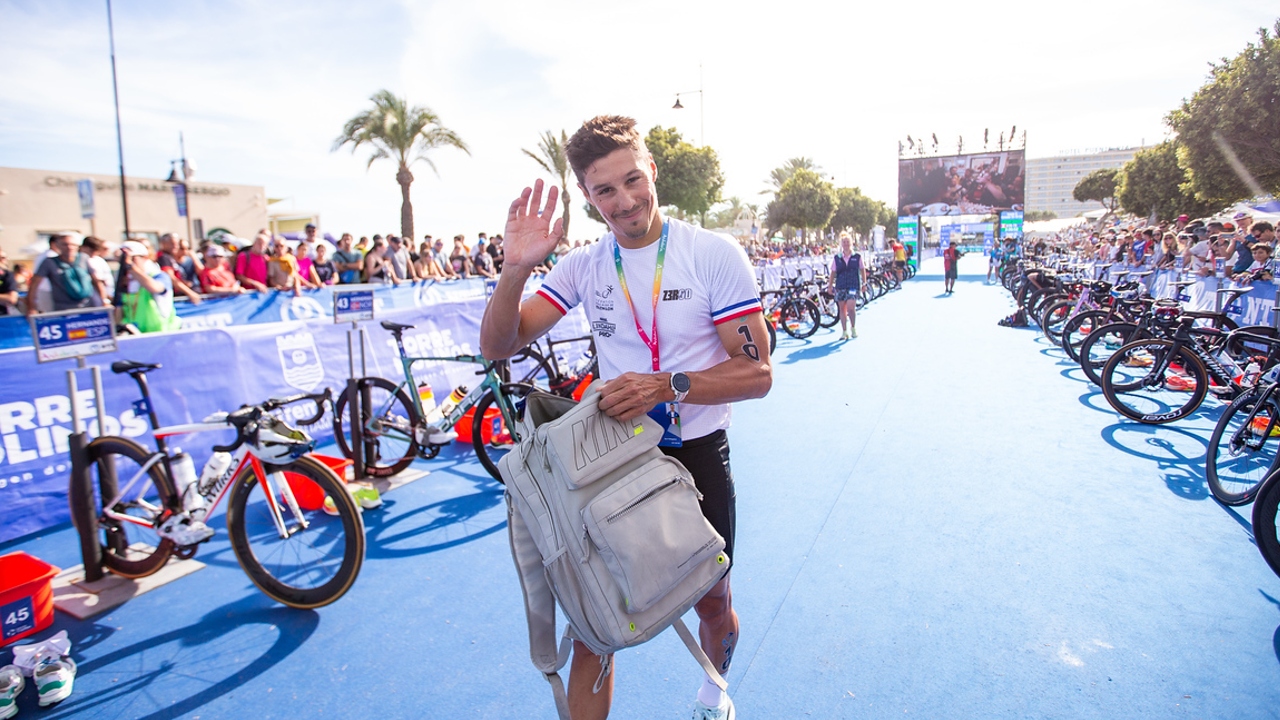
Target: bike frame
274	483
491	382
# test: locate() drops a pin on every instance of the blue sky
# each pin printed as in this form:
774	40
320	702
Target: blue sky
261	89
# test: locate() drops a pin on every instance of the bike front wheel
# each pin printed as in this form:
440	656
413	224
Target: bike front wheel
137	500
1243	447
799	318
1101	344
1265	507
389	441
1154	381
502	436
296	554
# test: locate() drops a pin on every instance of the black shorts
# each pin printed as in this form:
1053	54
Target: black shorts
707	459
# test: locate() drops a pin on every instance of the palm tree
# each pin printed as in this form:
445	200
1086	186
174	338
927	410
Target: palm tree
396	131
779	176
552	158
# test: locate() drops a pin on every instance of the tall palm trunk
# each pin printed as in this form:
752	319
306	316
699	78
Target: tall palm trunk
405	178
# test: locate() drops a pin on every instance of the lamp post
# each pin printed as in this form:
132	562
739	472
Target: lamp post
182	180
702	122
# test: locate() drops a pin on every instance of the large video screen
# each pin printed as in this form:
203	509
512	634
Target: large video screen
976	184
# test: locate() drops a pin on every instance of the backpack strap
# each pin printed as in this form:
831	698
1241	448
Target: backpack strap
539	608
696	651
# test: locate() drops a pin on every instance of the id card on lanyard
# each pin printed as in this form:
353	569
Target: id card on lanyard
665	414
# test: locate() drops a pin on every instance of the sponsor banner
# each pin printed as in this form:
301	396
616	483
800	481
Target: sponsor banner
204	371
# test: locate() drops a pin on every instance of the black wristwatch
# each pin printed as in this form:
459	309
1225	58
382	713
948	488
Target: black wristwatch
680	385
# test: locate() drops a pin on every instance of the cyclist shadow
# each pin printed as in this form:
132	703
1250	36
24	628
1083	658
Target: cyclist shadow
814	352
135	673
1177	452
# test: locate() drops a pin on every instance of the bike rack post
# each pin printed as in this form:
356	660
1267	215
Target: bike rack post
80	490
355	405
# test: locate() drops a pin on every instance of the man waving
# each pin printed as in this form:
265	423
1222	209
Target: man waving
681	353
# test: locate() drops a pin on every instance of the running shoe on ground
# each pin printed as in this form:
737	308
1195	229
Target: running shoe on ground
367	498
54	676
184	530
1259	426
1139	359
853	333
1180	383
11	684
432	435
723	711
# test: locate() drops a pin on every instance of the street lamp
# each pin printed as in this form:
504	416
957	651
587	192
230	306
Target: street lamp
180	174
702	122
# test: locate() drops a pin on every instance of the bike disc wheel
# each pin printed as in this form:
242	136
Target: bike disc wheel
503	435
1154	381
389	434
131	547
1243	449
320	555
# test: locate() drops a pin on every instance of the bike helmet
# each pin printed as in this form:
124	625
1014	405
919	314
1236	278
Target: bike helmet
277	443
1167	312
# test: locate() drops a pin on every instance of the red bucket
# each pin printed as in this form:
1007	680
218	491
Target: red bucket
492	423
26	596
305	491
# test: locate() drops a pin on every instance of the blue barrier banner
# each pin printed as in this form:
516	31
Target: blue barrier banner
207	370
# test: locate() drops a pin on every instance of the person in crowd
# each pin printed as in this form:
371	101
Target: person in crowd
68	277
8	287
426	266
481	261
363	246
305	255
1259	232
217	278
180	265
442	259
398	263
95	251
899	258
1167	255
459	261
253	263
22	275
348	261
705	362
950	260
845	281
1260	268
375	261
323	268
147	291
495	252
283	271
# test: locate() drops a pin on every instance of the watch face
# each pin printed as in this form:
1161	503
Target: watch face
680	382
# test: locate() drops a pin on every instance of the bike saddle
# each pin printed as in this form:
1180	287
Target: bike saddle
396	327
129	366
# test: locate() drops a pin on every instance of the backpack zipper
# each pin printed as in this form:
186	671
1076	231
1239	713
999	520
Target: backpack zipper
642	499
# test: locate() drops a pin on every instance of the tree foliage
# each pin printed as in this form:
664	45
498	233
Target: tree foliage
1238	108
1098	186
856	211
804	201
402	133
1153	181
1038	215
552	158
688	177
779	176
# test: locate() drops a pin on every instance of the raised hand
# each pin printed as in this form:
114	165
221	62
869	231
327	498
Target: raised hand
530	236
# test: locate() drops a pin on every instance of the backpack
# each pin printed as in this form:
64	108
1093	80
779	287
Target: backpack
607	527
76	282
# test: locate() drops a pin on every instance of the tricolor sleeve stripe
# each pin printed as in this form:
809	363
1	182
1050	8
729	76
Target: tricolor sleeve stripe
556	301
737	310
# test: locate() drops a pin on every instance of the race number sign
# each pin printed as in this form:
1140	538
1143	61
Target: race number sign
352	306
73	333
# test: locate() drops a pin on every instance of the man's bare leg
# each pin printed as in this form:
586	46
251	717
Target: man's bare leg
718	629
583	671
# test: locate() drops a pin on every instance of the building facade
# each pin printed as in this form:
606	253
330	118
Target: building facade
35	204
1051	180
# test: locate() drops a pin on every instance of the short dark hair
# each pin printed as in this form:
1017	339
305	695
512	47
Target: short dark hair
1260	227
93	244
600	136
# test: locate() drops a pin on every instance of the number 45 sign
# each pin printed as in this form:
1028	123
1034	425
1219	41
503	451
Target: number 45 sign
73	333
16	618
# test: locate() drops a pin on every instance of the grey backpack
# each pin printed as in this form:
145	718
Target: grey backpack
606	526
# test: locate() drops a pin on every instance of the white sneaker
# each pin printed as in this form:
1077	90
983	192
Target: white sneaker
723	711
184	530
54	677
11	684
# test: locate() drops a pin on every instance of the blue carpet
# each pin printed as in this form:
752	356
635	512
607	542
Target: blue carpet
940	518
